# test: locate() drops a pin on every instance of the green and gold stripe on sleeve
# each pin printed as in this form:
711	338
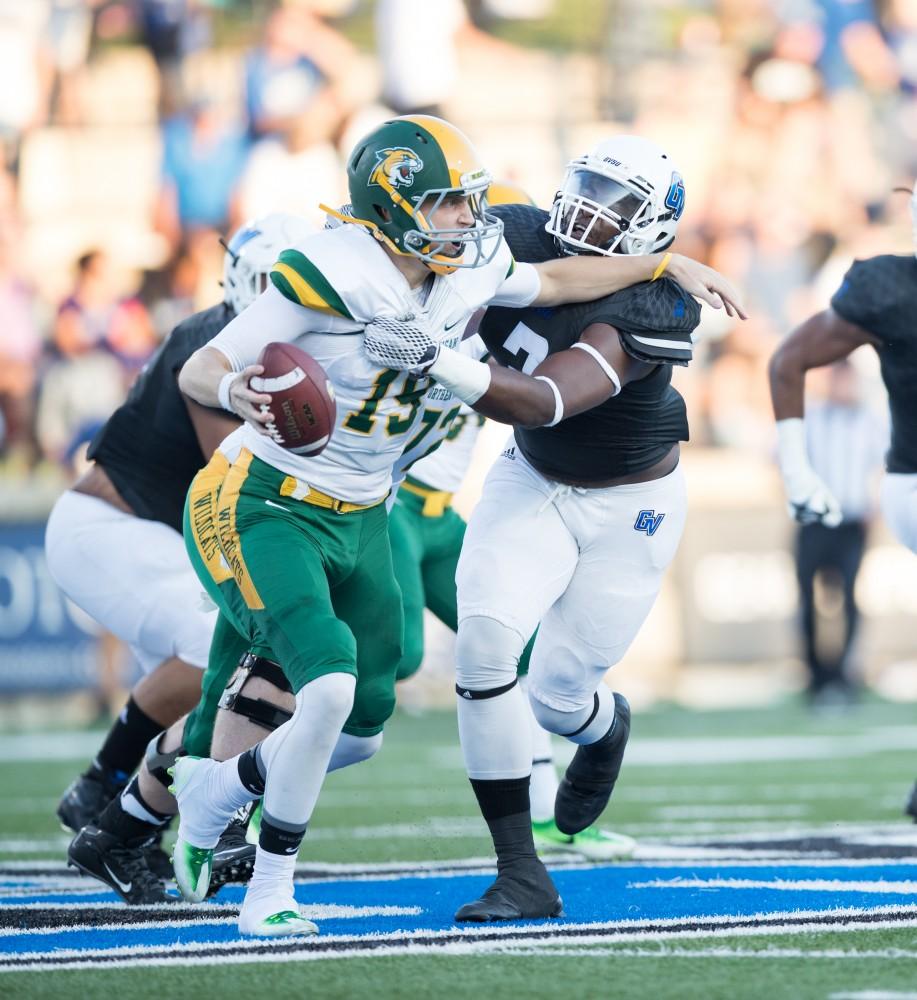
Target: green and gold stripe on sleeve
296	277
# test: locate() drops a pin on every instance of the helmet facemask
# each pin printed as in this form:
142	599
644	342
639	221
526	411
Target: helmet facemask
603	209
444	249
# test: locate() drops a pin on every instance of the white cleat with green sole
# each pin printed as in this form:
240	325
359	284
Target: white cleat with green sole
592	843
192	856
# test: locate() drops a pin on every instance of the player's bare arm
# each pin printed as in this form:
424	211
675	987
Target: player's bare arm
208	379
821	340
211	425
564	384
581	279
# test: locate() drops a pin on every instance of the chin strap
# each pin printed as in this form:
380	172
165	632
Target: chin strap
434	265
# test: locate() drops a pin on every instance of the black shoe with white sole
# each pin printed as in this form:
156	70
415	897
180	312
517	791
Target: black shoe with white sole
120	864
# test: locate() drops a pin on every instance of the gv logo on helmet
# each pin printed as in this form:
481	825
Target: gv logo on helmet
395	167
675	196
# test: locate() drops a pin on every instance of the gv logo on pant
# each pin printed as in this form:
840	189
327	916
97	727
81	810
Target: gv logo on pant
648	521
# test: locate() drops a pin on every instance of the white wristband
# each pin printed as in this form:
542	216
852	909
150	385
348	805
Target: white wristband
792	453
223	390
558	401
464	377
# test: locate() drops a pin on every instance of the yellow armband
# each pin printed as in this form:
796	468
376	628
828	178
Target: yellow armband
663	264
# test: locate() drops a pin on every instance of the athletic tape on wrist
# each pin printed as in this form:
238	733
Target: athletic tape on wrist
464	377
223	390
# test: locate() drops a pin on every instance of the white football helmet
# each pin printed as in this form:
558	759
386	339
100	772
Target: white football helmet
625	196
253	250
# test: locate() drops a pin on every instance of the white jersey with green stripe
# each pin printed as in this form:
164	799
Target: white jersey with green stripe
446	467
324	292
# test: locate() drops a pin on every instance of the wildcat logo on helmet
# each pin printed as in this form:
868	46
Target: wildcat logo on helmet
395	167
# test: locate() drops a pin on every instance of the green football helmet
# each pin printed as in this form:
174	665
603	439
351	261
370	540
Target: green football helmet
402	172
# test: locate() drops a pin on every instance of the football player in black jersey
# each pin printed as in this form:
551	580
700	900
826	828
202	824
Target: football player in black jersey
875	305
114	546
580	516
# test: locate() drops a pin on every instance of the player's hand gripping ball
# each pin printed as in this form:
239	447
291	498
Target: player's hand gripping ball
302	403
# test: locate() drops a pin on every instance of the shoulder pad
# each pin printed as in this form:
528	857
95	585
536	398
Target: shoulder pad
296	277
655	320
524	232
873	289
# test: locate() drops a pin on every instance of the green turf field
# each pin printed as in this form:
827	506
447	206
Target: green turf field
692	780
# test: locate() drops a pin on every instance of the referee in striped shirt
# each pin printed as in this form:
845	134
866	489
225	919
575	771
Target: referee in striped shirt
846	444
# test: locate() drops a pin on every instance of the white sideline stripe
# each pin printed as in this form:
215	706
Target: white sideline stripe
672	794
784	885
873	995
460	827
216	915
21	845
665	952
697	855
312	950
703	811
676	752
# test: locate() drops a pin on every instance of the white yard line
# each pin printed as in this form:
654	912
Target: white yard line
762	953
674	752
783	885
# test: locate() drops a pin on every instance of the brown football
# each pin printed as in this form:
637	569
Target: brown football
302	399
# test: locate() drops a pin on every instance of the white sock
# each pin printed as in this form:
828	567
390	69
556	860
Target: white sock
496	736
270	890
543	790
273	874
543	787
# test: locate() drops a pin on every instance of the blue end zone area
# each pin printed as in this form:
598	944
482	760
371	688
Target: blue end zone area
46	923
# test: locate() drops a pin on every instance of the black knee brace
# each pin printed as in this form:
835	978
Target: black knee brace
261	712
158	763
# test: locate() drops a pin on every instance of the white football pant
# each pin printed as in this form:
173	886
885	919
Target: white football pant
586	564
899	507
131	575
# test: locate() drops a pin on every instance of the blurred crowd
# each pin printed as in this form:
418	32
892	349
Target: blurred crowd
135	133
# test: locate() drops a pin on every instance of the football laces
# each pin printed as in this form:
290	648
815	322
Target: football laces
275	434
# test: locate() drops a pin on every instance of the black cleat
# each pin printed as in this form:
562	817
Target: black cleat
590	779
911	808
157	860
523	890
120	864
84	800
233	857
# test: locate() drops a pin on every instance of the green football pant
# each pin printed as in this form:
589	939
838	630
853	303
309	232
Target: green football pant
304	585
425	553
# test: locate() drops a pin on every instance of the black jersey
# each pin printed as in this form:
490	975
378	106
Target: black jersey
148	446
630	431
880	296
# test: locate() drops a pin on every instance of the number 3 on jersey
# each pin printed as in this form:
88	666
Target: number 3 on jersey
528	348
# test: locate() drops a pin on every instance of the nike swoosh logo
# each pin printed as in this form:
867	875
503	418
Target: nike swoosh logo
271	503
124	887
446	329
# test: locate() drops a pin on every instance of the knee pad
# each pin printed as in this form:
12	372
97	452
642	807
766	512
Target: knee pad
258	710
159	763
486	655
